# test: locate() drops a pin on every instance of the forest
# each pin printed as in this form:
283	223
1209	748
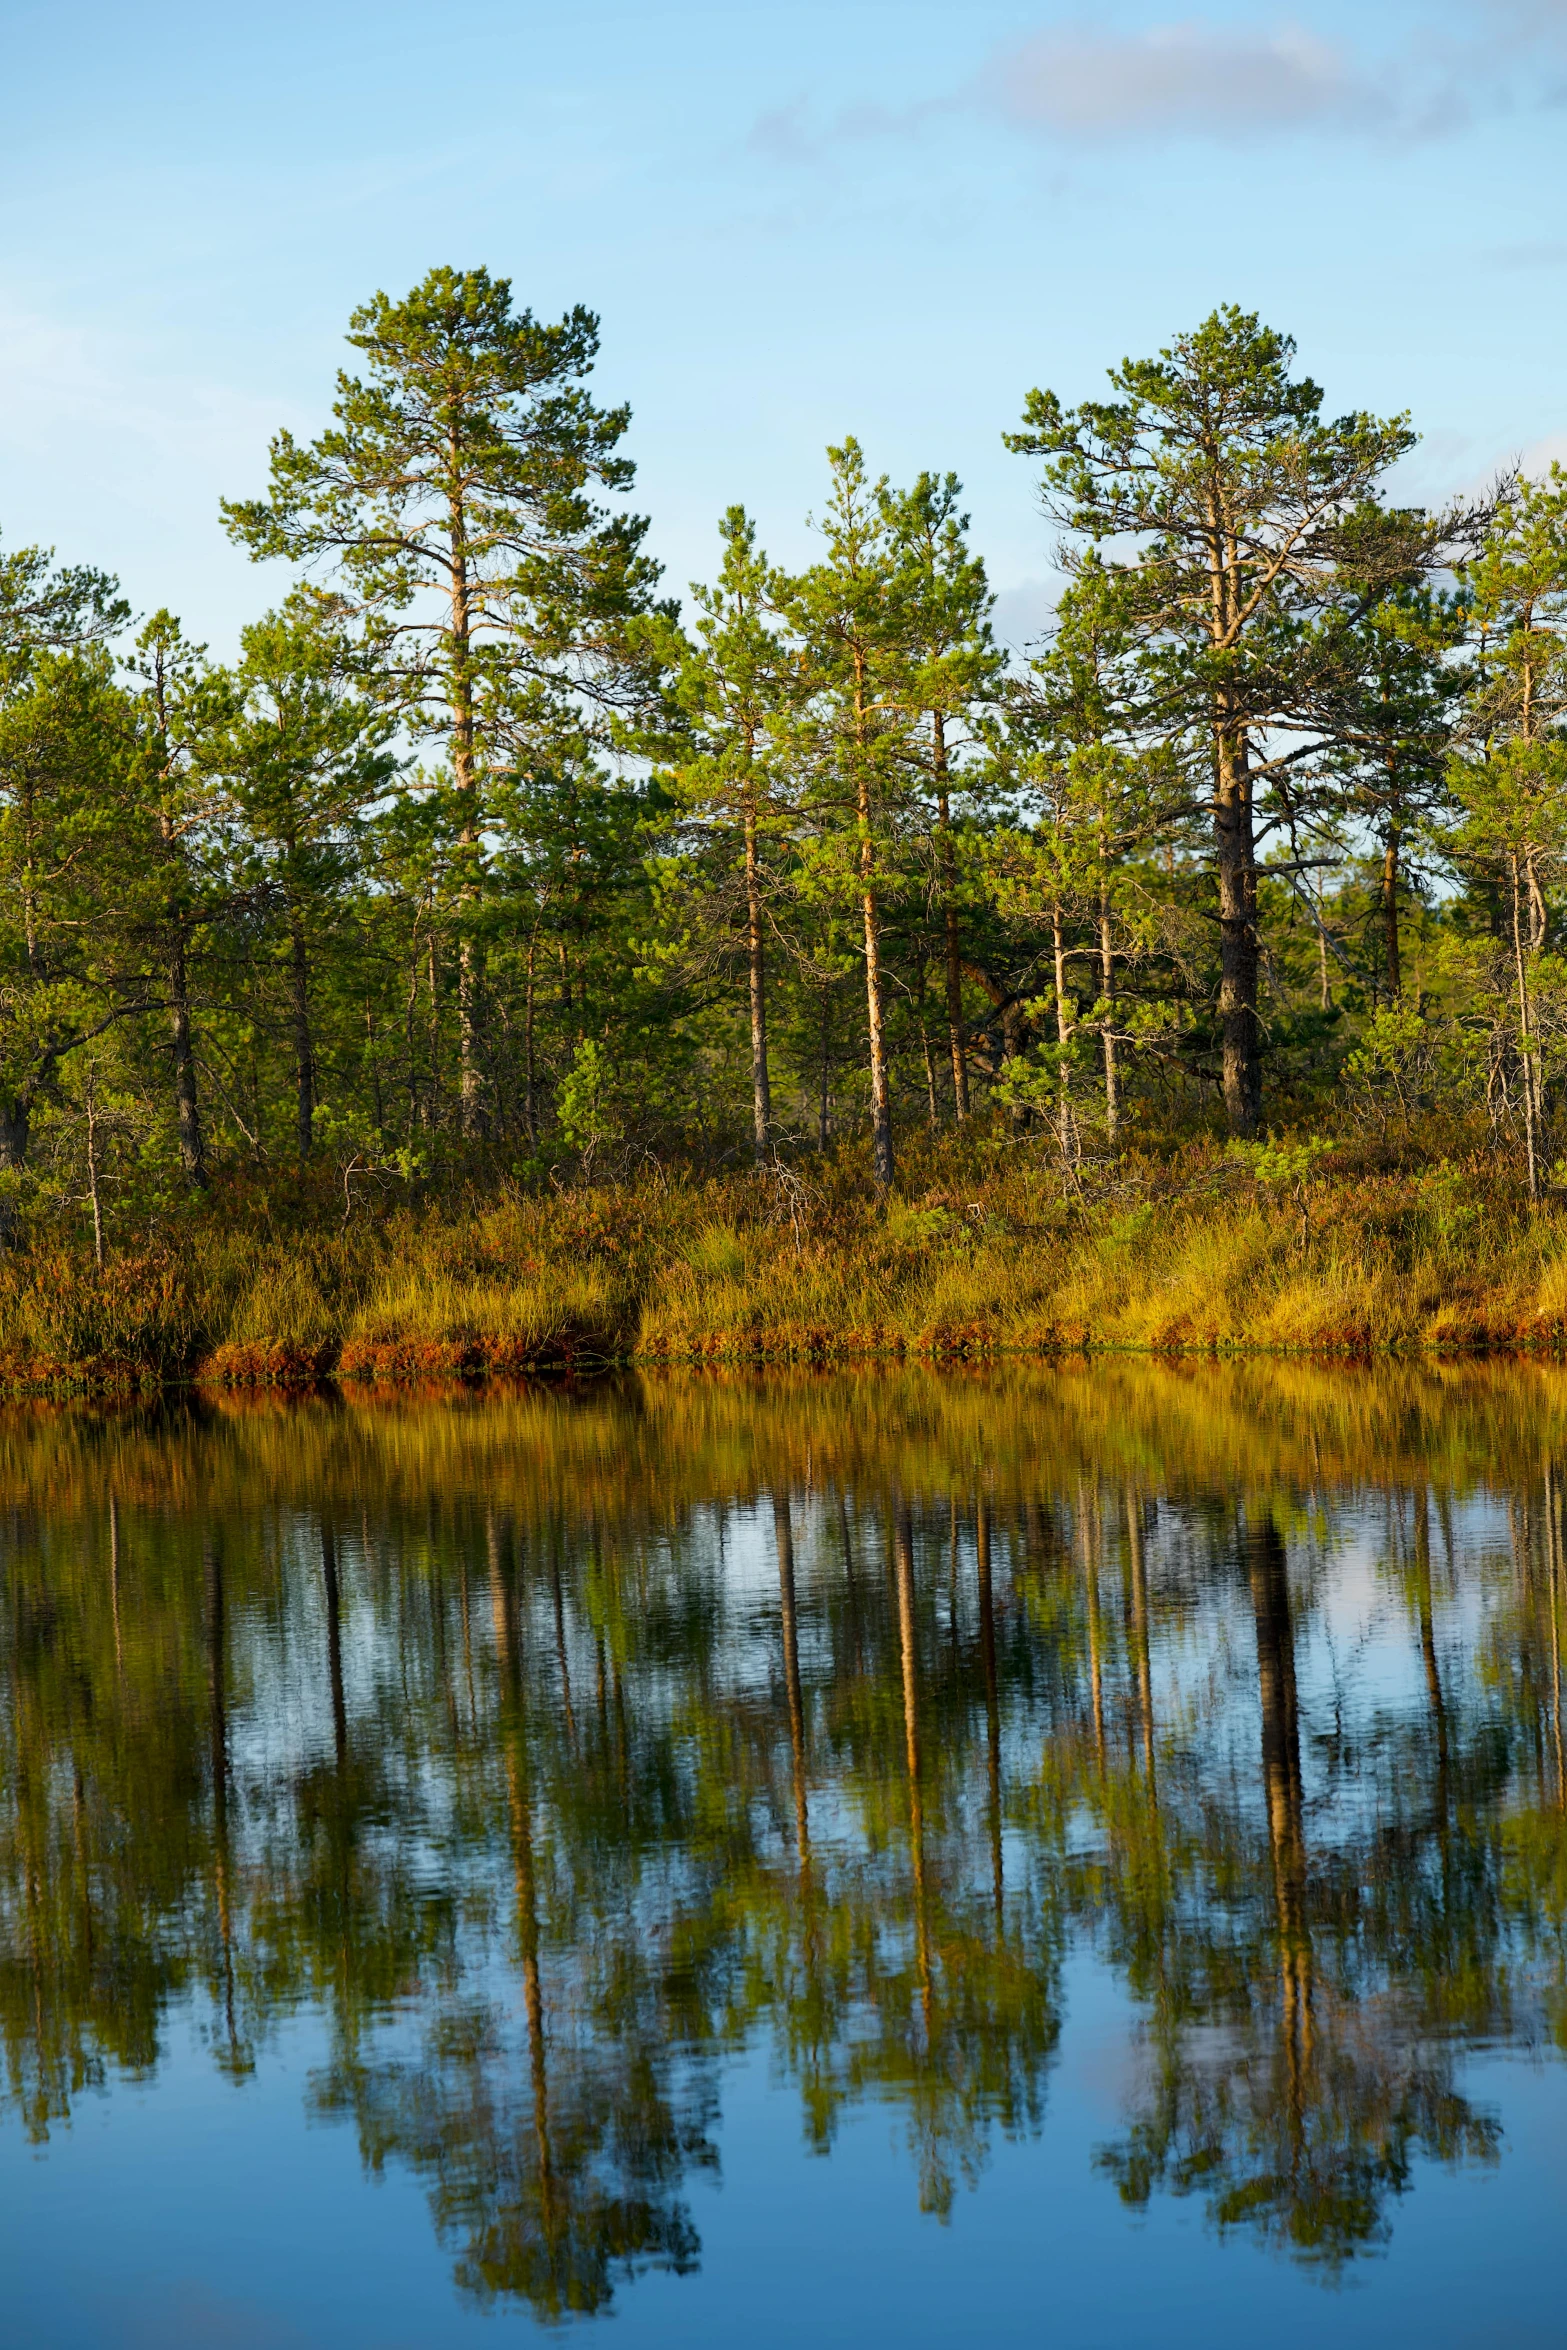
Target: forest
494	902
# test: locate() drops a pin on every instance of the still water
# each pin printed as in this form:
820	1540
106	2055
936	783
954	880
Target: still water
1075	1857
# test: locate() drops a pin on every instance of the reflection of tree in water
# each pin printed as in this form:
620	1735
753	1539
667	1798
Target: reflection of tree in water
553	2169
1300	2108
555	2157
104	1815
504	1772
892	1968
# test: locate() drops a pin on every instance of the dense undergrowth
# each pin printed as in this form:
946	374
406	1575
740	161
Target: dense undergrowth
987	1248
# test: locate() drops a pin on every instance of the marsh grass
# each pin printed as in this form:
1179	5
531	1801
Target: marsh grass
985	1252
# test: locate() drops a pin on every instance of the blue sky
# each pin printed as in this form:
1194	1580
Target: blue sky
796	219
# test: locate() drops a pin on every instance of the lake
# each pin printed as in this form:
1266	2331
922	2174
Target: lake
1068	1855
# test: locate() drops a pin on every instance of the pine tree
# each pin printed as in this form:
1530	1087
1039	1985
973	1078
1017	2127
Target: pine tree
452	506
853	731
1510	774
67	749
1399	633
944	602
1218	465
1102	798
734	685
303	758
185	710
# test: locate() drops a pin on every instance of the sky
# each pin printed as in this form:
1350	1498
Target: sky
797	219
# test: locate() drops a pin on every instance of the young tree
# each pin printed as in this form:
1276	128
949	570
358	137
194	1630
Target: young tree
571	912
48	610
452	505
848	612
1232	489
304	756
1399	632
59	720
733	686
67	742
185	710
1101	799
1510	775
944	599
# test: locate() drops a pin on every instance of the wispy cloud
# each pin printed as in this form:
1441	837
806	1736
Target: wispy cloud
791	134
1192	79
1086	83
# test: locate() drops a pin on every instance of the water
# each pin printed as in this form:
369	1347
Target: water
1069	1856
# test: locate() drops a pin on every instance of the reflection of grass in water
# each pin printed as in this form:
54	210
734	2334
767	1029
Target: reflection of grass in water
1191	1255
636	1444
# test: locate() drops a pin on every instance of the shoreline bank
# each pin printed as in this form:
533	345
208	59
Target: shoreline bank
1186	1260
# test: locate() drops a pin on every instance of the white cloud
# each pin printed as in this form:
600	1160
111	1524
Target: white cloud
1087	83
1191	78
1083	84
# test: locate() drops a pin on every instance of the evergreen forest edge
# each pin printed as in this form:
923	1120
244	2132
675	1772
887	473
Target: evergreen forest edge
495	964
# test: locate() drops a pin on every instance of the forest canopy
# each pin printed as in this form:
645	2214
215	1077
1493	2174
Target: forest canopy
487	857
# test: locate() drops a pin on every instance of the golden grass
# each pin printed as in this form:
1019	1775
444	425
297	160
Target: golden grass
977	1258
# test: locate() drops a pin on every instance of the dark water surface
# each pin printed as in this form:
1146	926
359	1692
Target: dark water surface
1076	1857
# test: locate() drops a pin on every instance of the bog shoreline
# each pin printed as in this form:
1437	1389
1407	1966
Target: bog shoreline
1184	1258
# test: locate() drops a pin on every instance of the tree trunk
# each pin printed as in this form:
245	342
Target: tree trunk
1237	863
1142	1629
468	982
932	1107
373	1066
1282	1785
949	922
93	1190
304	1047
987	1645
470	974
956	1030
465	776
1525	1043
783	1535
410	1043
1088	1545
1390	954
876	1027
16	1124
193	1149
218	1748
16	1120
1107	1031
530	1074
334	1642
433	1089
761	1091
903	1549
1428	1656
1063	1033
1324	989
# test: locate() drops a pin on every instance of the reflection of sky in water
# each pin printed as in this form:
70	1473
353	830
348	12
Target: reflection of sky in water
218	2224
178	2205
